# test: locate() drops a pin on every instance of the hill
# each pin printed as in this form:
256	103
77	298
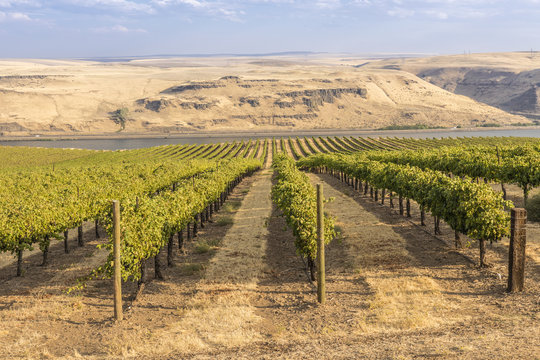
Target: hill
508	81
230	93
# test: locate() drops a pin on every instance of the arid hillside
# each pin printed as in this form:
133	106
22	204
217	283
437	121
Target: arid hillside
229	94
508	81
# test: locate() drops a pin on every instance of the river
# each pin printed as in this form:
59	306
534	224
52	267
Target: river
135	143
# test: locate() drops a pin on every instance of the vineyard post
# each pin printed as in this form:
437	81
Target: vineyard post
457	240
321	283
502	181
80	240
66	247
516	254
170	250
117	270
19	262
96	228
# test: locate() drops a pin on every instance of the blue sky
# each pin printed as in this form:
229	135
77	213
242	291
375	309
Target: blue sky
93	28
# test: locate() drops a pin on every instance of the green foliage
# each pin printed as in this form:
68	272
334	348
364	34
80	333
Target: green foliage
225	221
490	125
297	199
148	223
120	117
410	127
202	247
518	164
468	207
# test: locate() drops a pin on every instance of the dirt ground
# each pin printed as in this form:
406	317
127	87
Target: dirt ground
239	291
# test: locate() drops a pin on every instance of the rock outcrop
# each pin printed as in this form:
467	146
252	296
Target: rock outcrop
515	92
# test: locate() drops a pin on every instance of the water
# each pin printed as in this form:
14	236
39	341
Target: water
134	143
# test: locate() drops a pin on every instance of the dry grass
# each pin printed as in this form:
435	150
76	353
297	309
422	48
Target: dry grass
403	302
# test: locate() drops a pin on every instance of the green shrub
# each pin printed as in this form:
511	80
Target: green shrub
225	221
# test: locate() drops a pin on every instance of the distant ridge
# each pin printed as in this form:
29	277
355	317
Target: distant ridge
161	56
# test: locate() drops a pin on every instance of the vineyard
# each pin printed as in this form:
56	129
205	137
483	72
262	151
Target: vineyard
219	241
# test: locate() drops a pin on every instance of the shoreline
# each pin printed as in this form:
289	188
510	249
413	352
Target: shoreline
256	133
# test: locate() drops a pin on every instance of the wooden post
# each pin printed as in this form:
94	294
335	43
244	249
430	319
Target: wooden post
321	283
408	207
383	195
66	247
142	280
482	246
516	256
80	240
170	250
19	262
97	231
117	265
457	240
437	226
400	199
157	267
47	242
181	240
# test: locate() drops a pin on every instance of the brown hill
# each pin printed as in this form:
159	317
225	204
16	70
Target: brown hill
509	81
224	94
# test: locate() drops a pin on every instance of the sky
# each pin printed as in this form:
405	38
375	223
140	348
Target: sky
109	28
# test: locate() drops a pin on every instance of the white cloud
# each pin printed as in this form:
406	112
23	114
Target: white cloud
328	4
400	12
442	15
228	10
194	3
16	3
118	29
14	16
121	5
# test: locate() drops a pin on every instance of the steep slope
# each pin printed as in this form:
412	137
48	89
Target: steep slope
508	81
